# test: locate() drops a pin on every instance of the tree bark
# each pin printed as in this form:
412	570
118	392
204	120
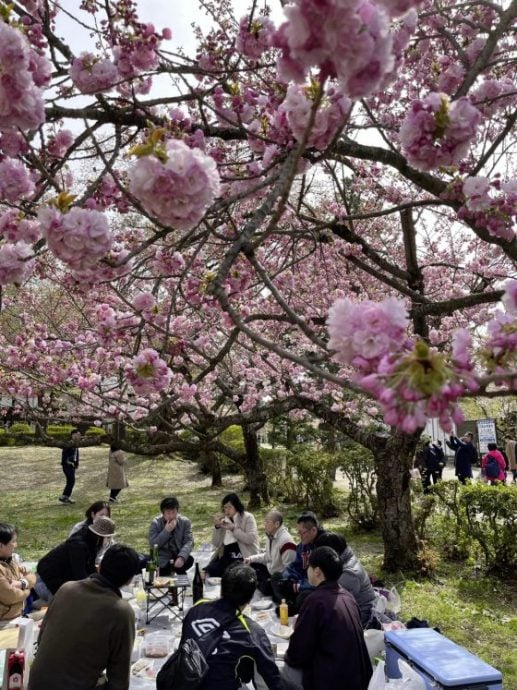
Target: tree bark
393	461
255	475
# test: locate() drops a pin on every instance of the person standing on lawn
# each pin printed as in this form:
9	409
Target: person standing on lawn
69	464
117	478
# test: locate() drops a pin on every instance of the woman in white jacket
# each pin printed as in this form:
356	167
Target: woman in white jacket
234	535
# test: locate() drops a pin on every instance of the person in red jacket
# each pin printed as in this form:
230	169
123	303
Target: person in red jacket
498	456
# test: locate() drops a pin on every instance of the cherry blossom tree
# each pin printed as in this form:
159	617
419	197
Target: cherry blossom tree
314	214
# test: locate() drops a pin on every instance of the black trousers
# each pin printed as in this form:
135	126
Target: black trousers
263	579
169	569
231	554
69	472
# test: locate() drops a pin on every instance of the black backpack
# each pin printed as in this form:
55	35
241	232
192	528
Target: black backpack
492	468
187	667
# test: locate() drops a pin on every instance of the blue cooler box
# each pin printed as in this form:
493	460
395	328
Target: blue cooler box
440	662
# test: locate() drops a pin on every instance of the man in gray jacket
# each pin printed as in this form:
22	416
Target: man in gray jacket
354	577
172	533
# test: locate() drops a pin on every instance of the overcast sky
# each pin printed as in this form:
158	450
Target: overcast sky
177	15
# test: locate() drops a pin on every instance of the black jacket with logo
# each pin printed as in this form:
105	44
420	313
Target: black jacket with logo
243	648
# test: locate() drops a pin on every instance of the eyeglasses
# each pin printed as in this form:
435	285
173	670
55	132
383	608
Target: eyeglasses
303	532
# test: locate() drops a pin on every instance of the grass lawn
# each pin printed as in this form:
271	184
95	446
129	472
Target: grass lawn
476	611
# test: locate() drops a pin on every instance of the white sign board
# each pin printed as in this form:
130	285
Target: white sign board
486	434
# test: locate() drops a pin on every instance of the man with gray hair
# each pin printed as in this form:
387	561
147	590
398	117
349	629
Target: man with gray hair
280	551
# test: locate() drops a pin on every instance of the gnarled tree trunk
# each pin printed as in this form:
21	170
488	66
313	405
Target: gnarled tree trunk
255	475
393	460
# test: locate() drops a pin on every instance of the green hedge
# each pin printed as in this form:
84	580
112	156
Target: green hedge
473	521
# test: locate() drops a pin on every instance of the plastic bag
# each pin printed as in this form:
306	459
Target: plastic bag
411	680
393	604
378	680
374	640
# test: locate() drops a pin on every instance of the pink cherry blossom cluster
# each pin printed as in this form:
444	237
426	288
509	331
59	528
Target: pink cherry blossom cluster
234	108
108	194
12	143
93	74
496	214
80	238
254	36
136	51
408	378
437	133
167	263
348	40
424	384
148	373
493	95
144	302
178	191
16	262
500	348
510	297
113	264
57	145
362	333
22	73
397	8
14	227
15	181
329	118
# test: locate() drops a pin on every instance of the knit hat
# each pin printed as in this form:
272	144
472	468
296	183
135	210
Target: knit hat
103	526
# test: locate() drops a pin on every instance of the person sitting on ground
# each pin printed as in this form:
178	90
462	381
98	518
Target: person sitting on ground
327	650
493	452
97	509
89	628
117	477
279	554
75	558
234	535
465	455
15	580
244	652
292	584
354	577
172	533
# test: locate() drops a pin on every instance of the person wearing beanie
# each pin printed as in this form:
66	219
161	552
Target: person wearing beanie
75	558
88	629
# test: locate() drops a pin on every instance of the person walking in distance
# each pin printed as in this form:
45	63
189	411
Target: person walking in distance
69	464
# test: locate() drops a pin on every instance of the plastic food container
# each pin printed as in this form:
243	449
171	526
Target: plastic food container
157	644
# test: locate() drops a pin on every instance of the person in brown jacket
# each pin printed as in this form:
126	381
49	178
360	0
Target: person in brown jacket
117	478
15	580
87	635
